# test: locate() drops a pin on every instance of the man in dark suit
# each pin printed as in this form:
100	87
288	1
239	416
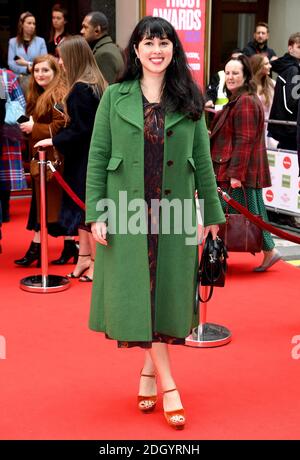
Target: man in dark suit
107	54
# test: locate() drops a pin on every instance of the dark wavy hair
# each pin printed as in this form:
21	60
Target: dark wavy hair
180	92
249	85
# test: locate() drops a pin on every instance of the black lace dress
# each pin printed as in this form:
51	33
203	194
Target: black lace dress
153	172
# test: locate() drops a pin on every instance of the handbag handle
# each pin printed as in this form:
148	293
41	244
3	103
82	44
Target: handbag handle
211	290
245	198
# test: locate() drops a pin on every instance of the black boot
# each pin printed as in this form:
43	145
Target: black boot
4	198
70	250
33	253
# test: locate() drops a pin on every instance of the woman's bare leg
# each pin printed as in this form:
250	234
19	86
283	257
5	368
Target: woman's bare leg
160	357
84	252
148	385
36	237
92	249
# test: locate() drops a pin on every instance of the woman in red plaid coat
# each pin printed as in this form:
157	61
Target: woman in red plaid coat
238	147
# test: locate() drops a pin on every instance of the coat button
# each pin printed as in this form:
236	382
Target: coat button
170	163
169	133
168	191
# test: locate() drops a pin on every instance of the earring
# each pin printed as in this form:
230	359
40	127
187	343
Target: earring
137	62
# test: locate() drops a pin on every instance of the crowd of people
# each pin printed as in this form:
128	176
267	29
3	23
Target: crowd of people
135	121
62	80
279	98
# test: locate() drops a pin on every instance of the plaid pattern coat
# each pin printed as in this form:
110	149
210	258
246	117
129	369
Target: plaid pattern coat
11	167
238	144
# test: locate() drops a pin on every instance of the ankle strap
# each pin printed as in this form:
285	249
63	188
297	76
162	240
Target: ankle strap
169	391
84	255
148	375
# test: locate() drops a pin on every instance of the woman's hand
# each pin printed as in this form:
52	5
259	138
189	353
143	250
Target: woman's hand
44	143
21	61
209	104
213	229
99	231
27	126
235	183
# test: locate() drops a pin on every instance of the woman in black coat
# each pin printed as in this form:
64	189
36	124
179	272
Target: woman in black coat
86	85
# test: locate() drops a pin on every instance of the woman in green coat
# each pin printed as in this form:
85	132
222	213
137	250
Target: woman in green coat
149	153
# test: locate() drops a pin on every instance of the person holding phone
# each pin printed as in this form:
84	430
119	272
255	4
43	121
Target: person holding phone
45	89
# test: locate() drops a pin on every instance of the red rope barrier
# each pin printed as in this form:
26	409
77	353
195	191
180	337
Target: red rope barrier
66	187
258	220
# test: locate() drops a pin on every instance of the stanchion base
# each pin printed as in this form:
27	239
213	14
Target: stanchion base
54	283
208	335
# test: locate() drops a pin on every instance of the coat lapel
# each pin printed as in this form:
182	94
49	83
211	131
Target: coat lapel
173	118
223	115
129	105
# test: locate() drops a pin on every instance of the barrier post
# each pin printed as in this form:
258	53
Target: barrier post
206	334
44	283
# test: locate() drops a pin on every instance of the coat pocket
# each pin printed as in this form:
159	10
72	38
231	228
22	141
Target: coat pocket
192	163
114	163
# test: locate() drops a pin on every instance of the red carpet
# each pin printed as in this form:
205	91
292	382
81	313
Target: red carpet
61	381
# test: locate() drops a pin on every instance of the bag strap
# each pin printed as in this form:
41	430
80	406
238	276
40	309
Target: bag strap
4	76
201	267
55	154
245	198
211	290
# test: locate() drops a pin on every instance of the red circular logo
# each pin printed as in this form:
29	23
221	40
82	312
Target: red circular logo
287	162
269	195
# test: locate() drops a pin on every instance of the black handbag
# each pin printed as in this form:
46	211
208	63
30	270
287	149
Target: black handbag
213	265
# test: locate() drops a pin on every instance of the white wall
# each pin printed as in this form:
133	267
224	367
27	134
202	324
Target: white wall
127	16
284	19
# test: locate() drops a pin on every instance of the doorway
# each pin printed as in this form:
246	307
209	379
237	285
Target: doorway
233	24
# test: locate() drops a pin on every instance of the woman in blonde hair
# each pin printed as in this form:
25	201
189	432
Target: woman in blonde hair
260	66
46	88
85	87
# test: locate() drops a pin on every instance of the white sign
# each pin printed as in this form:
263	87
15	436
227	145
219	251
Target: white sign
283	195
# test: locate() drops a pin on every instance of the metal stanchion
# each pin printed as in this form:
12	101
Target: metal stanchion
206	334
44	283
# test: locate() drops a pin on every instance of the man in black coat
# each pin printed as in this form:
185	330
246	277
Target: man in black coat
259	44
107	54
286	96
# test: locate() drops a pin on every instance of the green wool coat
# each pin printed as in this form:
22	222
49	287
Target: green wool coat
121	289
